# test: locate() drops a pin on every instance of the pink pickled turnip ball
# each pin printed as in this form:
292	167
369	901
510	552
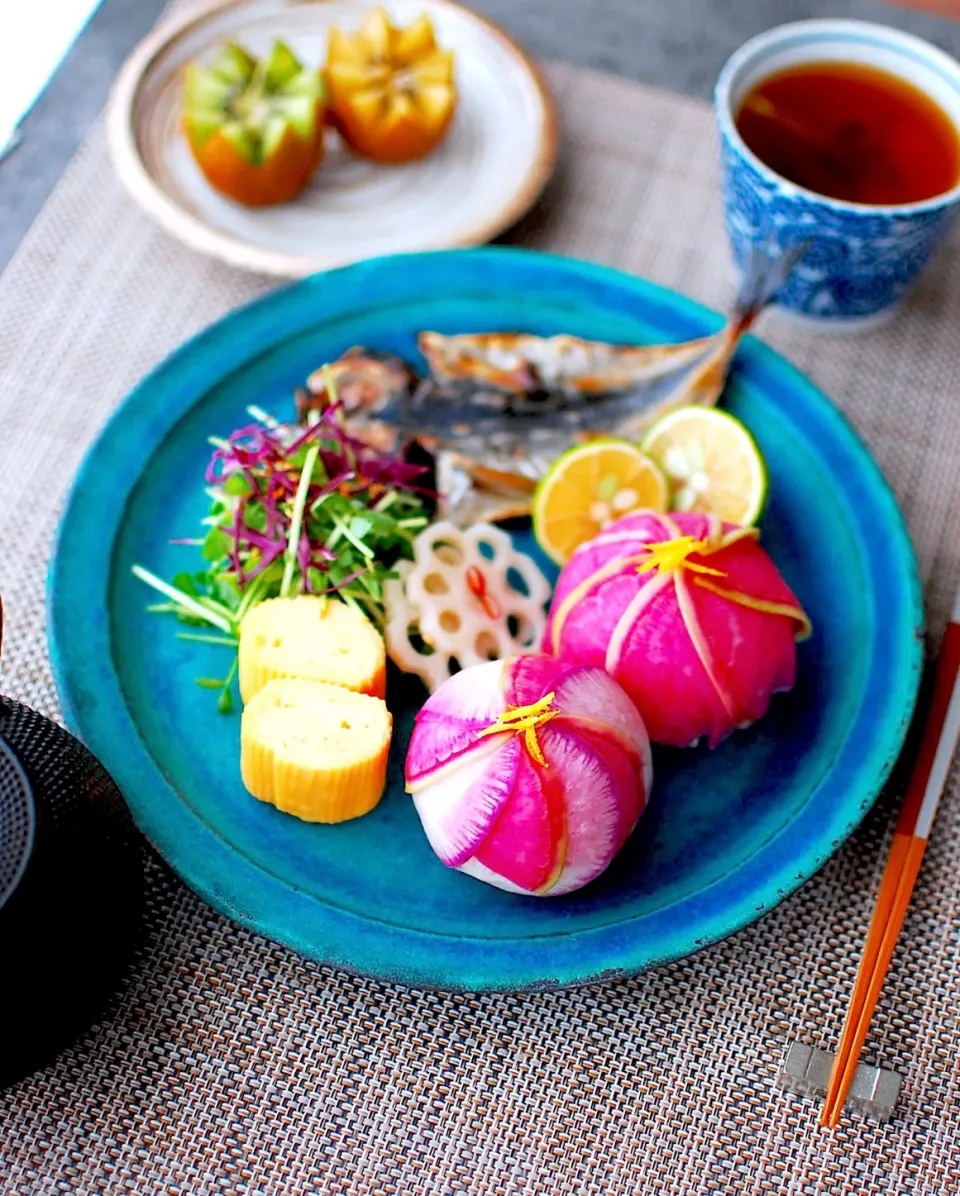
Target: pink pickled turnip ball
700	629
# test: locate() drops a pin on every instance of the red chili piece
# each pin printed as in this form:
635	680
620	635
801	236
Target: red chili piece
477	585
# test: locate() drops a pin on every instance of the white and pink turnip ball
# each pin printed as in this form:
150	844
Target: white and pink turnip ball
529	773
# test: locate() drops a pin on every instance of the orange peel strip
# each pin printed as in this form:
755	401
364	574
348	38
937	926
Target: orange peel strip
524	720
668	555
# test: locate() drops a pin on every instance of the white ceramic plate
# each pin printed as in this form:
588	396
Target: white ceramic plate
490	168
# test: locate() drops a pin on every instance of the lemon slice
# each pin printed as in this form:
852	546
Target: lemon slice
712	463
588	488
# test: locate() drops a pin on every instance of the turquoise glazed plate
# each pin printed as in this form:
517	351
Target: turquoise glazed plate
728	833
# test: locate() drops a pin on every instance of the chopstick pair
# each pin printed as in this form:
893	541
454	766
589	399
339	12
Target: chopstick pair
927	782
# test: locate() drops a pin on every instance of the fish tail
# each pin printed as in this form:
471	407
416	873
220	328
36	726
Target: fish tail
766	270
700	387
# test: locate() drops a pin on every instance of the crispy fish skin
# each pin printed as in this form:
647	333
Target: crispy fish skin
521	364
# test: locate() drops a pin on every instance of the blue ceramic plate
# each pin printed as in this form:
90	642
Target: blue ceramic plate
728	833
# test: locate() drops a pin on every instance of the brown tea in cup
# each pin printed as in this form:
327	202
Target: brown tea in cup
852	132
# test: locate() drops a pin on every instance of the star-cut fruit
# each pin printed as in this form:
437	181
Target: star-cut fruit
391	90
255	126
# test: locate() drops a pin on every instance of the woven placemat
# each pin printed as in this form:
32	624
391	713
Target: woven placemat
229	1065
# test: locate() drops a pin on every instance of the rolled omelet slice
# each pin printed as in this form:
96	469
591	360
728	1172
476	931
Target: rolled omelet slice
315	750
315	639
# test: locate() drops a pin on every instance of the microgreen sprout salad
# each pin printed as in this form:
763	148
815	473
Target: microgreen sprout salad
293	510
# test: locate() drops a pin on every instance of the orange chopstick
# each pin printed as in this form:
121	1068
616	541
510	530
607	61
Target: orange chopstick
926	785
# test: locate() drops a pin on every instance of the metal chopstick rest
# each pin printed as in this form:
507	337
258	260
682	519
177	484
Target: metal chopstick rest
806	1071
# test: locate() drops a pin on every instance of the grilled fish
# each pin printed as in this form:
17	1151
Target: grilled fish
497	408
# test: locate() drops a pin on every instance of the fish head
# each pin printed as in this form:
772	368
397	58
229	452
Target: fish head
367	382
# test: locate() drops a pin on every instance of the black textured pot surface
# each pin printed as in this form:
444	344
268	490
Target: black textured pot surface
67	927
17	825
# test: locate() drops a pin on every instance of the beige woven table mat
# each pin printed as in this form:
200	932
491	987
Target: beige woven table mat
229	1065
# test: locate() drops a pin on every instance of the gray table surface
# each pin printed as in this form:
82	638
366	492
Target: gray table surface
675	44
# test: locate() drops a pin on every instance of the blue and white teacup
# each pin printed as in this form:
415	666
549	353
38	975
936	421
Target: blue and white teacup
862	259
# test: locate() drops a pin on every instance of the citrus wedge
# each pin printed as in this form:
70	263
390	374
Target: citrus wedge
588	488
711	462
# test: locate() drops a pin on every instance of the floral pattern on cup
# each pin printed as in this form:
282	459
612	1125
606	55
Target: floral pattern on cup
856	263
